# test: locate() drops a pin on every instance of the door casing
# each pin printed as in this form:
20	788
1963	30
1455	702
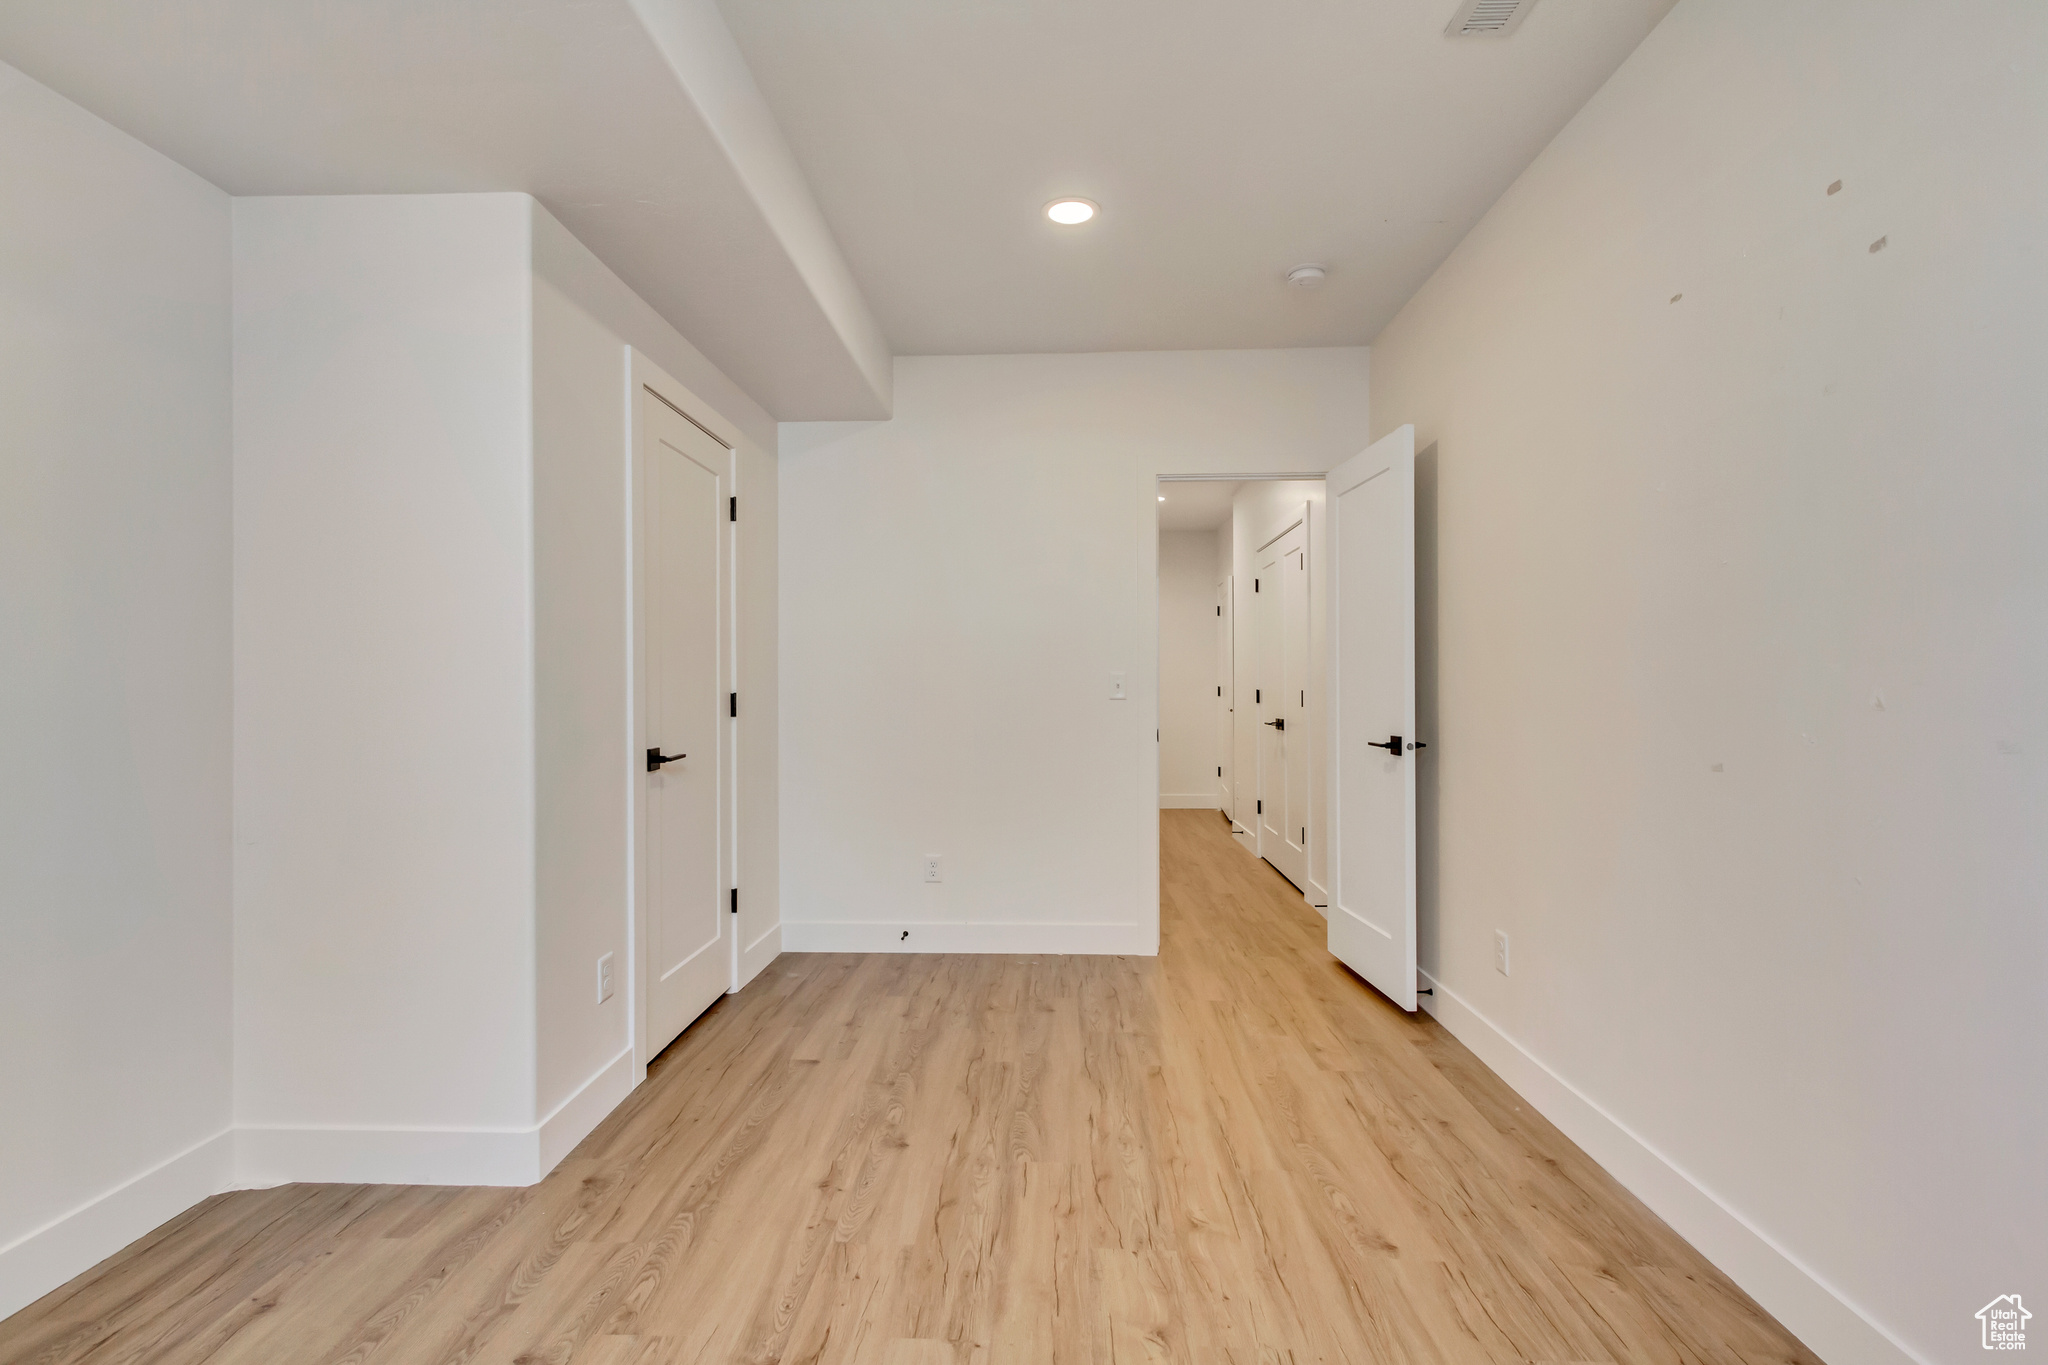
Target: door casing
646	380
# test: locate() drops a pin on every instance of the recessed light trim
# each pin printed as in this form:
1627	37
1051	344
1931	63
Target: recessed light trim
1071	212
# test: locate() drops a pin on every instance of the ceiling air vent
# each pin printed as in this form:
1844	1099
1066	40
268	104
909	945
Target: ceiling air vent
1488	16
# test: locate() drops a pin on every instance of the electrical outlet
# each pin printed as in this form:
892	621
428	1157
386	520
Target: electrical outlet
931	868
1500	951
604	978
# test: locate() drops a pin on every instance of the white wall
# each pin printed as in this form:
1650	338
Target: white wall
1188	626
1261	511
583	752
957	586
432	587
114	668
578	275
384	673
1739	645
583	318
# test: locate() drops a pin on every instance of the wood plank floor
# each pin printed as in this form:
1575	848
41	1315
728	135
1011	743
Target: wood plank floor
1235	1152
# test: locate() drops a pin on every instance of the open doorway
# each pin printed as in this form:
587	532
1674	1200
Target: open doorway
1242	665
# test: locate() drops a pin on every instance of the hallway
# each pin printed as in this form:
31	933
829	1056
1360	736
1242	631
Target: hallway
1235	1152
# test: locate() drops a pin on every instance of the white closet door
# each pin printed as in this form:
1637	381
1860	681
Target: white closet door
689	952
1372	714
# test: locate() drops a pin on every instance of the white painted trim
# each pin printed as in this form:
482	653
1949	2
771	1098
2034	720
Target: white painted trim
952	936
643	373
1144	715
576	1116
67	1246
758	954
1189	801
1811	1309
386	1156
258	1158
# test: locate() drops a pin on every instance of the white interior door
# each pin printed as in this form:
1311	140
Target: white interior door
689	956
1372	714
1280	697
1224	698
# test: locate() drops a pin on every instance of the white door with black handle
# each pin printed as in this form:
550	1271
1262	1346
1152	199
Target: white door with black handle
1373	748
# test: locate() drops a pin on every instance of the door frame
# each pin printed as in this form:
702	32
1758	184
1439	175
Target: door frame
642	373
1144	505
1315	799
1226	696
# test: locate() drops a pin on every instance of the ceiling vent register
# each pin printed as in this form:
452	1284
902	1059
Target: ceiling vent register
1484	17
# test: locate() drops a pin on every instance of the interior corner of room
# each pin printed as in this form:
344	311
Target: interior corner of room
725	679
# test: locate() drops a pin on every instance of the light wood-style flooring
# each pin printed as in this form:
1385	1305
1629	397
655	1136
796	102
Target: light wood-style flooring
1236	1152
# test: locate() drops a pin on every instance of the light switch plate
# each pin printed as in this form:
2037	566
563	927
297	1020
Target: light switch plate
1116	687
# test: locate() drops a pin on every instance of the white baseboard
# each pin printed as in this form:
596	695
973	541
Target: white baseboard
386	1156
1831	1326
267	1156
574	1117
953	936
257	1158
758	954
1189	801
33	1265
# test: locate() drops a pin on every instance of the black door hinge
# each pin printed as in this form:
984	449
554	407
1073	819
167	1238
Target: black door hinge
1219	772
1255	585
1219	611
734	508
1219	690
735	900
1261	810
735	705
1304	836
1255	696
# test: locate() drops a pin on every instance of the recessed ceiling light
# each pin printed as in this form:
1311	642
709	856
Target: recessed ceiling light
1070	212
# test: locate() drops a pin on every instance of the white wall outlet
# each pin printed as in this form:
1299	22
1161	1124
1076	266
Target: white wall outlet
604	978
1116	687
1500	951
931	868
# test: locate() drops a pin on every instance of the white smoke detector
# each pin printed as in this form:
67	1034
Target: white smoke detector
1306	276
1479	18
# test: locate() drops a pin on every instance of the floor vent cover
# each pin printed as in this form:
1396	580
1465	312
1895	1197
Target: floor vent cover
1488	16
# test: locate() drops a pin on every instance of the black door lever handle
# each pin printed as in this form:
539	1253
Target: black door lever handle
1392	746
655	758
1280	724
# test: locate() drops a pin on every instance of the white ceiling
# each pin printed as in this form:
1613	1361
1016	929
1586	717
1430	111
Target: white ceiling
1226	142
653	147
1196	504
